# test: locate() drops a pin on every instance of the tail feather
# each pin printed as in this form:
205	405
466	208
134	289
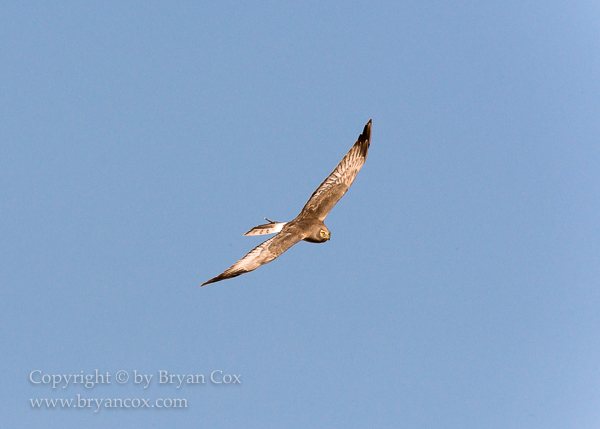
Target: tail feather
268	228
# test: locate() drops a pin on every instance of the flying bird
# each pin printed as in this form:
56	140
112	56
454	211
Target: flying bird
308	225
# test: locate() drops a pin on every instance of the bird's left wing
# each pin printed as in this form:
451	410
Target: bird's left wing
260	255
337	183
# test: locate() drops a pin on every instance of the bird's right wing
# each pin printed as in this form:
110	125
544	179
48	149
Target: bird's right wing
260	255
337	183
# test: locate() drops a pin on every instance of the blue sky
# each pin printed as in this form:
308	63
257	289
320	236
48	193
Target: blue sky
139	141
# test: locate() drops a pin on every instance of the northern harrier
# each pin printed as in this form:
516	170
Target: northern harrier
308	225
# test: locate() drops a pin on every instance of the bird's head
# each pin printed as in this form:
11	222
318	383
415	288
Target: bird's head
317	233
324	234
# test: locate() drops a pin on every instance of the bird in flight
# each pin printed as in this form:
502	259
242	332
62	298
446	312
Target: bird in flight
308	225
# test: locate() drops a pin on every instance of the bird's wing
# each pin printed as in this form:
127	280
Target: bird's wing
260	255
337	183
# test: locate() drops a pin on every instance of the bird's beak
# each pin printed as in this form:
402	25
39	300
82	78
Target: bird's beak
329	236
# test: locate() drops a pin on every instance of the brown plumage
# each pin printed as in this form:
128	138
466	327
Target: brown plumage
308	225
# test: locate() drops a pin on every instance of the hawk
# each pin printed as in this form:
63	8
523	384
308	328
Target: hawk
308	225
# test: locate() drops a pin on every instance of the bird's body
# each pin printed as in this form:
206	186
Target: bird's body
308	225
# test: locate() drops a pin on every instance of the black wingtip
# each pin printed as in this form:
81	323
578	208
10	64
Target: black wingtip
366	134
224	276
213	280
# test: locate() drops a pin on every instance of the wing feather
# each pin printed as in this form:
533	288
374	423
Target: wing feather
260	255
337	183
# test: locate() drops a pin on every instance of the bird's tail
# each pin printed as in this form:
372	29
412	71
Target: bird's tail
269	228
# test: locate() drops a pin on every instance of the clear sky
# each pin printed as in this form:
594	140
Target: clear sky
461	286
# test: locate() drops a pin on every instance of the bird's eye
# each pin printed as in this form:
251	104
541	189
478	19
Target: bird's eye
322	233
